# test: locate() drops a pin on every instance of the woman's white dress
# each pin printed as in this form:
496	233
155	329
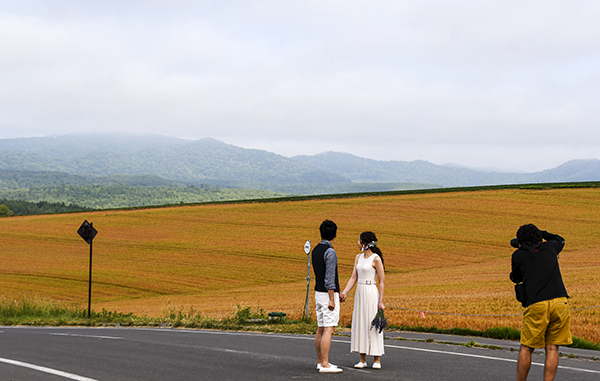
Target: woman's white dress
366	303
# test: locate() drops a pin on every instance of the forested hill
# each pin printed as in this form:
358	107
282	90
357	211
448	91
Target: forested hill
191	162
98	158
10	179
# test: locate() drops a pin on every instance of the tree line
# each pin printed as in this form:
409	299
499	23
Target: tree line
22	208
68	198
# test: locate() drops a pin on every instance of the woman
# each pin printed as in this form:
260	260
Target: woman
367	301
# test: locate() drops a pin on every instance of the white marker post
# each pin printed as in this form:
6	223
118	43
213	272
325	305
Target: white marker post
307	251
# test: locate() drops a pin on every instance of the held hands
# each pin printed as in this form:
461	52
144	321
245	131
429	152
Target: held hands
342	297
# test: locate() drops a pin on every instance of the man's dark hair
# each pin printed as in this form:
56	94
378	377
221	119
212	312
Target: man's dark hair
328	230
529	234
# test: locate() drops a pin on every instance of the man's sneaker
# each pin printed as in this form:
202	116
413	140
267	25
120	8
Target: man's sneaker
330	369
319	365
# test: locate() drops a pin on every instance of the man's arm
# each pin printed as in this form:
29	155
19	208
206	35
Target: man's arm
331	304
558	241
515	275
330	266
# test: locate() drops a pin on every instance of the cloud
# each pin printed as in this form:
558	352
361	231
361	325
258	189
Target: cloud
466	82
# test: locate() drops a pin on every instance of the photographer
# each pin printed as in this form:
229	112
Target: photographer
546	319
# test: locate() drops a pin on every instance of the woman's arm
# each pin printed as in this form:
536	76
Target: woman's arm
381	277
351	281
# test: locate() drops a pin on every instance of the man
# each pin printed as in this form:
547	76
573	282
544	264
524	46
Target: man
327	288
547	319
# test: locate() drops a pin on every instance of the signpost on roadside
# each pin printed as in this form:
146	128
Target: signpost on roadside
307	251
88	232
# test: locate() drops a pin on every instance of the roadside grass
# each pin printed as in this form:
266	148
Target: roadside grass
45	312
26	311
501	333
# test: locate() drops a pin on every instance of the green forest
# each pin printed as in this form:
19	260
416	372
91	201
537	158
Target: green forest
24	192
41	192
64	198
22	208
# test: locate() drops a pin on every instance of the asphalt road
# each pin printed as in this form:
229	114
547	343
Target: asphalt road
107	354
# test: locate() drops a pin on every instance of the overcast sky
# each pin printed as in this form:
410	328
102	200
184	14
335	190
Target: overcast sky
508	85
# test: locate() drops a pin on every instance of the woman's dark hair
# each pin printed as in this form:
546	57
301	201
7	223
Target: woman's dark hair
328	230
369	240
529	234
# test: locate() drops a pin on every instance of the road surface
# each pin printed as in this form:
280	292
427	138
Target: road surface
112	354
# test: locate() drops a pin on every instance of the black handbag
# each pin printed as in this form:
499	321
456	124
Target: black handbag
521	294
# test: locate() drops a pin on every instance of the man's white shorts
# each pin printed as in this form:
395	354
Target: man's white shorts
326	317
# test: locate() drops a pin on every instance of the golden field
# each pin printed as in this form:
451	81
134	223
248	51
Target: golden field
444	252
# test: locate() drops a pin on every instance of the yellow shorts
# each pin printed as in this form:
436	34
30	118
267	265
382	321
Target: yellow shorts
547	323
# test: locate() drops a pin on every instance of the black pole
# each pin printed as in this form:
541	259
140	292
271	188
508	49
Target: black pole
87	232
90	288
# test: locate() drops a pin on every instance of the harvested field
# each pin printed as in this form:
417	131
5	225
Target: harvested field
444	252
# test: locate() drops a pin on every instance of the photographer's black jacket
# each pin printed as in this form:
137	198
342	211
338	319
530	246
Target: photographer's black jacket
537	266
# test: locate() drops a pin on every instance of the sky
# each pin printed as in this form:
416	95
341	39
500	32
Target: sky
501	85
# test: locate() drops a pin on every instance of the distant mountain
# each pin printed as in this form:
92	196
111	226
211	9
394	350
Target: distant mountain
571	171
367	170
205	161
166	161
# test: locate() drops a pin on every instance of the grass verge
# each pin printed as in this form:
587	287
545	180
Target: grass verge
39	312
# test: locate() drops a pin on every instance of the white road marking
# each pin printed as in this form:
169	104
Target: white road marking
89	336
484	357
387	346
44	369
